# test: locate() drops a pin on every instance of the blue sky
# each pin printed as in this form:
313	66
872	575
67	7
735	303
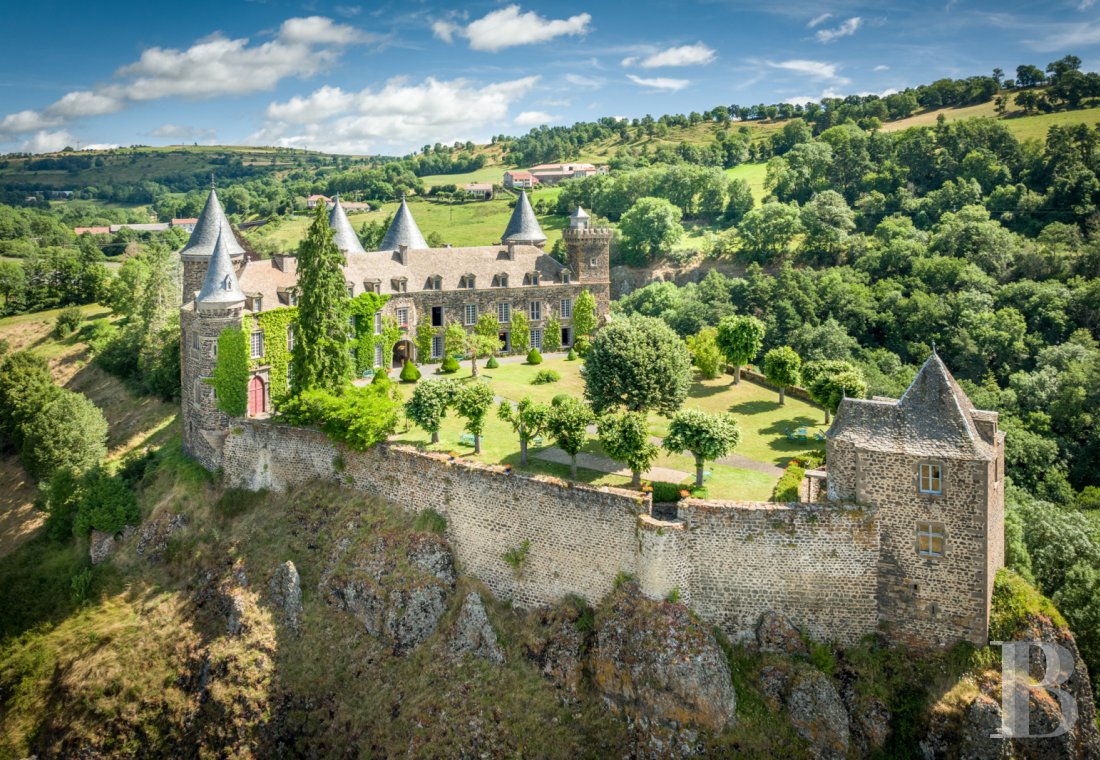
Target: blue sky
366	77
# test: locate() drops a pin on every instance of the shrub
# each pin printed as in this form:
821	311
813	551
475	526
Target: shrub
787	489
106	504
409	373
534	357
559	399
665	492
431	521
69	430
581	346
492	363
359	417
1089	498
517	557
449	366
673	596
545	376
80	585
571	356
1014	599
59	498
67	321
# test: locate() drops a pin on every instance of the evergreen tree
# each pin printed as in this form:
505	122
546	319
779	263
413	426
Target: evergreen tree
321	358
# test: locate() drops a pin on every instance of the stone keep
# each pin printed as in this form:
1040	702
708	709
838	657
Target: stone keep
589	257
932	467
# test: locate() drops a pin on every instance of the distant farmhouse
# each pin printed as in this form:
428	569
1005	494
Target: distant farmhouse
516	180
480	190
187	225
549	174
314	201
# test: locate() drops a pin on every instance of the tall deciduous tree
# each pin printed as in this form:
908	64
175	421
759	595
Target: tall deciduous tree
527	418
651	227
739	339
568	425
68	431
781	367
707	436
625	438
637	363
584	316
321	358
520	333
427	407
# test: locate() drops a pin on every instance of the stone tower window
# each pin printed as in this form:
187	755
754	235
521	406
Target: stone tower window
257	344
931	478
931	538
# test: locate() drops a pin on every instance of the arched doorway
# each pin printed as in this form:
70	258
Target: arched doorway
402	350
257	396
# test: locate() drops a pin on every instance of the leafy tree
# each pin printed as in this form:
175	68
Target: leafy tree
625	438
828	221
705	354
829	381
740	338
360	417
105	503
637	363
26	387
68	431
584	316
527	418
483	340
740	202
706	436
767	232
472	402
568	425
454	339
781	367
429	403
520	333
321	358
551	335
651	227
424	335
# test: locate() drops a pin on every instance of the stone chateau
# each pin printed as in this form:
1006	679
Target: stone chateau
902	533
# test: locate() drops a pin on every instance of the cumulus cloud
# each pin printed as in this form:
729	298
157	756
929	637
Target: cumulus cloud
819	70
684	55
881	67
397	117
818	20
509	27
846	29
212	67
662	84
45	141
533	118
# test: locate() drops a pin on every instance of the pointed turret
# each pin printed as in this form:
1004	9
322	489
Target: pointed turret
403	231
220	289
211	224
523	228
578	220
343	234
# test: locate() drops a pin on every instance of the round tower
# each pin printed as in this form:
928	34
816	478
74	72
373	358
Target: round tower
219	305
197	253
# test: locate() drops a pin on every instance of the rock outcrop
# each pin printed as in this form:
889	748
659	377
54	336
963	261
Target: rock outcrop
562	648
775	633
473	634
154	535
285	590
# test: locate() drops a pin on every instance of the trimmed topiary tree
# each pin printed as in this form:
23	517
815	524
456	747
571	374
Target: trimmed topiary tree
534	357
409	373
638	364
781	367
739	338
527	418
568	425
706	436
427	407
571	356
449	366
705	354
625	438
492	363
472	402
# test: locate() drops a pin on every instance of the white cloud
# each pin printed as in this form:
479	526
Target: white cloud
588	83
397	117
100	146
509	27
663	84
817	20
846	29
881	67
212	67
684	55
45	141
534	118
1067	37
814	69
630	60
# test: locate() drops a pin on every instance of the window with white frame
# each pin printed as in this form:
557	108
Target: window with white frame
378	323
536	338
565	278
195	342
257	344
931	539
435	282
566	308
535	310
290	337
504	313
500	280
437	346
378	356
471	314
931	478
403	316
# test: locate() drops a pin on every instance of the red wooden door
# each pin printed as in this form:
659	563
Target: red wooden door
256	396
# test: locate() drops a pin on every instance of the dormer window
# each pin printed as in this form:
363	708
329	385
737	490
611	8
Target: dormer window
930	478
467	282
372	286
435	282
256	303
565	277
531	278
399	285
500	280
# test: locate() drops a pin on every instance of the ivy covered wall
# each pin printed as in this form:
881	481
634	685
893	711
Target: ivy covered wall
276	326
230	378
363	307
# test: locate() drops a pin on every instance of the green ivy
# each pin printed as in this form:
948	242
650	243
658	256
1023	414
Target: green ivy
230	379
276	326
424	335
364	306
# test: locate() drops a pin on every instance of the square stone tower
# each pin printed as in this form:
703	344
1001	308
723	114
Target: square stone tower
933	468
589	256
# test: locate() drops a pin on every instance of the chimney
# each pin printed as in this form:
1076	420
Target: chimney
511	251
403	253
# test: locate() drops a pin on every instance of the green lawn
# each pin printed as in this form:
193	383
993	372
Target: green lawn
762	420
753	174
492	173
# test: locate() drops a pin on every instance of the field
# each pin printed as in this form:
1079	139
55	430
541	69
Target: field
493	173
754	174
762	452
1023	127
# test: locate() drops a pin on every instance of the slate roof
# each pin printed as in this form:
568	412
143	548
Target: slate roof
342	231
933	418
580	213
523	227
403	231
220	288
211	224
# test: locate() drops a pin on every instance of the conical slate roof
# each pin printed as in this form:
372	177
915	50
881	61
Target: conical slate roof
403	231
523	227
220	288
342	232
211	224
580	213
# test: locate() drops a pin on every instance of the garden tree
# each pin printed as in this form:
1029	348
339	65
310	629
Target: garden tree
706	436
454	339
357	416
68	431
568	425
740	338
829	381
527	418
472	402
828	221
639	364
584	316
26	387
483	340
424	335
767	232
520	332
705	354
650	228
551	335
321	358
781	367
625	438
428	404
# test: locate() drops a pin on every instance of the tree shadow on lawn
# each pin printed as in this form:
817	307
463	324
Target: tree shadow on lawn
749	408
698	390
780	427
